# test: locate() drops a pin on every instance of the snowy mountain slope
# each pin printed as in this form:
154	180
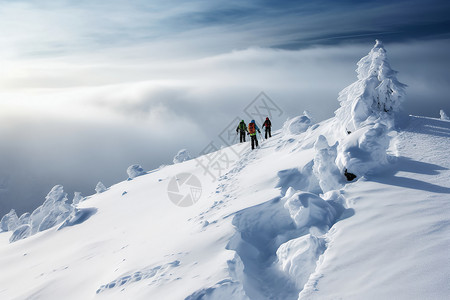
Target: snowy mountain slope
138	232
395	233
285	221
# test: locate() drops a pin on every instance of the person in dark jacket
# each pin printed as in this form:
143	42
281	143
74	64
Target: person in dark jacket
242	128
268	126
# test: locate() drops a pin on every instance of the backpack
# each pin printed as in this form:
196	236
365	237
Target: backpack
251	128
242	126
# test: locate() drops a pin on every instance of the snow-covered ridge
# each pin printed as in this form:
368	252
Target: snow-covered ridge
281	222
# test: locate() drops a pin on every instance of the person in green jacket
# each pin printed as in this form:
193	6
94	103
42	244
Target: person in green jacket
242	128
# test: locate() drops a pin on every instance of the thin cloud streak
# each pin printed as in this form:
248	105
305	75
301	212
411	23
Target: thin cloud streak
35	29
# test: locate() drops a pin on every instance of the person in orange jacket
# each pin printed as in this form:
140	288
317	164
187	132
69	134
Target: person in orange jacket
252	128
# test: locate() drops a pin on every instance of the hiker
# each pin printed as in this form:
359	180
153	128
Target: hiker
268	126
252	128
242	128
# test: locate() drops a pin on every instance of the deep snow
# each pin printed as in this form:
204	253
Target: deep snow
281	222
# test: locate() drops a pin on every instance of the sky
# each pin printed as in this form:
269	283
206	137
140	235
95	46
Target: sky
88	88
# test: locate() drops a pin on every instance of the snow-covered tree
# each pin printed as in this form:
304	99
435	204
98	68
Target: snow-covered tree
325	167
77	198
9	222
182	155
134	171
376	95
52	212
100	187
443	115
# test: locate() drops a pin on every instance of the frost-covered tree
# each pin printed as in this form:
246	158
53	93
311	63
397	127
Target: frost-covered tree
53	211
325	167
9	222
134	171
77	198
24	218
376	95
182	155
100	187
443	115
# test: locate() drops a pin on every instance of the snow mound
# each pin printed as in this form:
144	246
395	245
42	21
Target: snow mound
444	115
325	167
78	216
299	179
308	210
100	187
298	257
182	155
364	151
376	95
297	124
134	171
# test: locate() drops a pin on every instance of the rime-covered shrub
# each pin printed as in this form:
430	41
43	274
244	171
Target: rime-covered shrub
376	95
